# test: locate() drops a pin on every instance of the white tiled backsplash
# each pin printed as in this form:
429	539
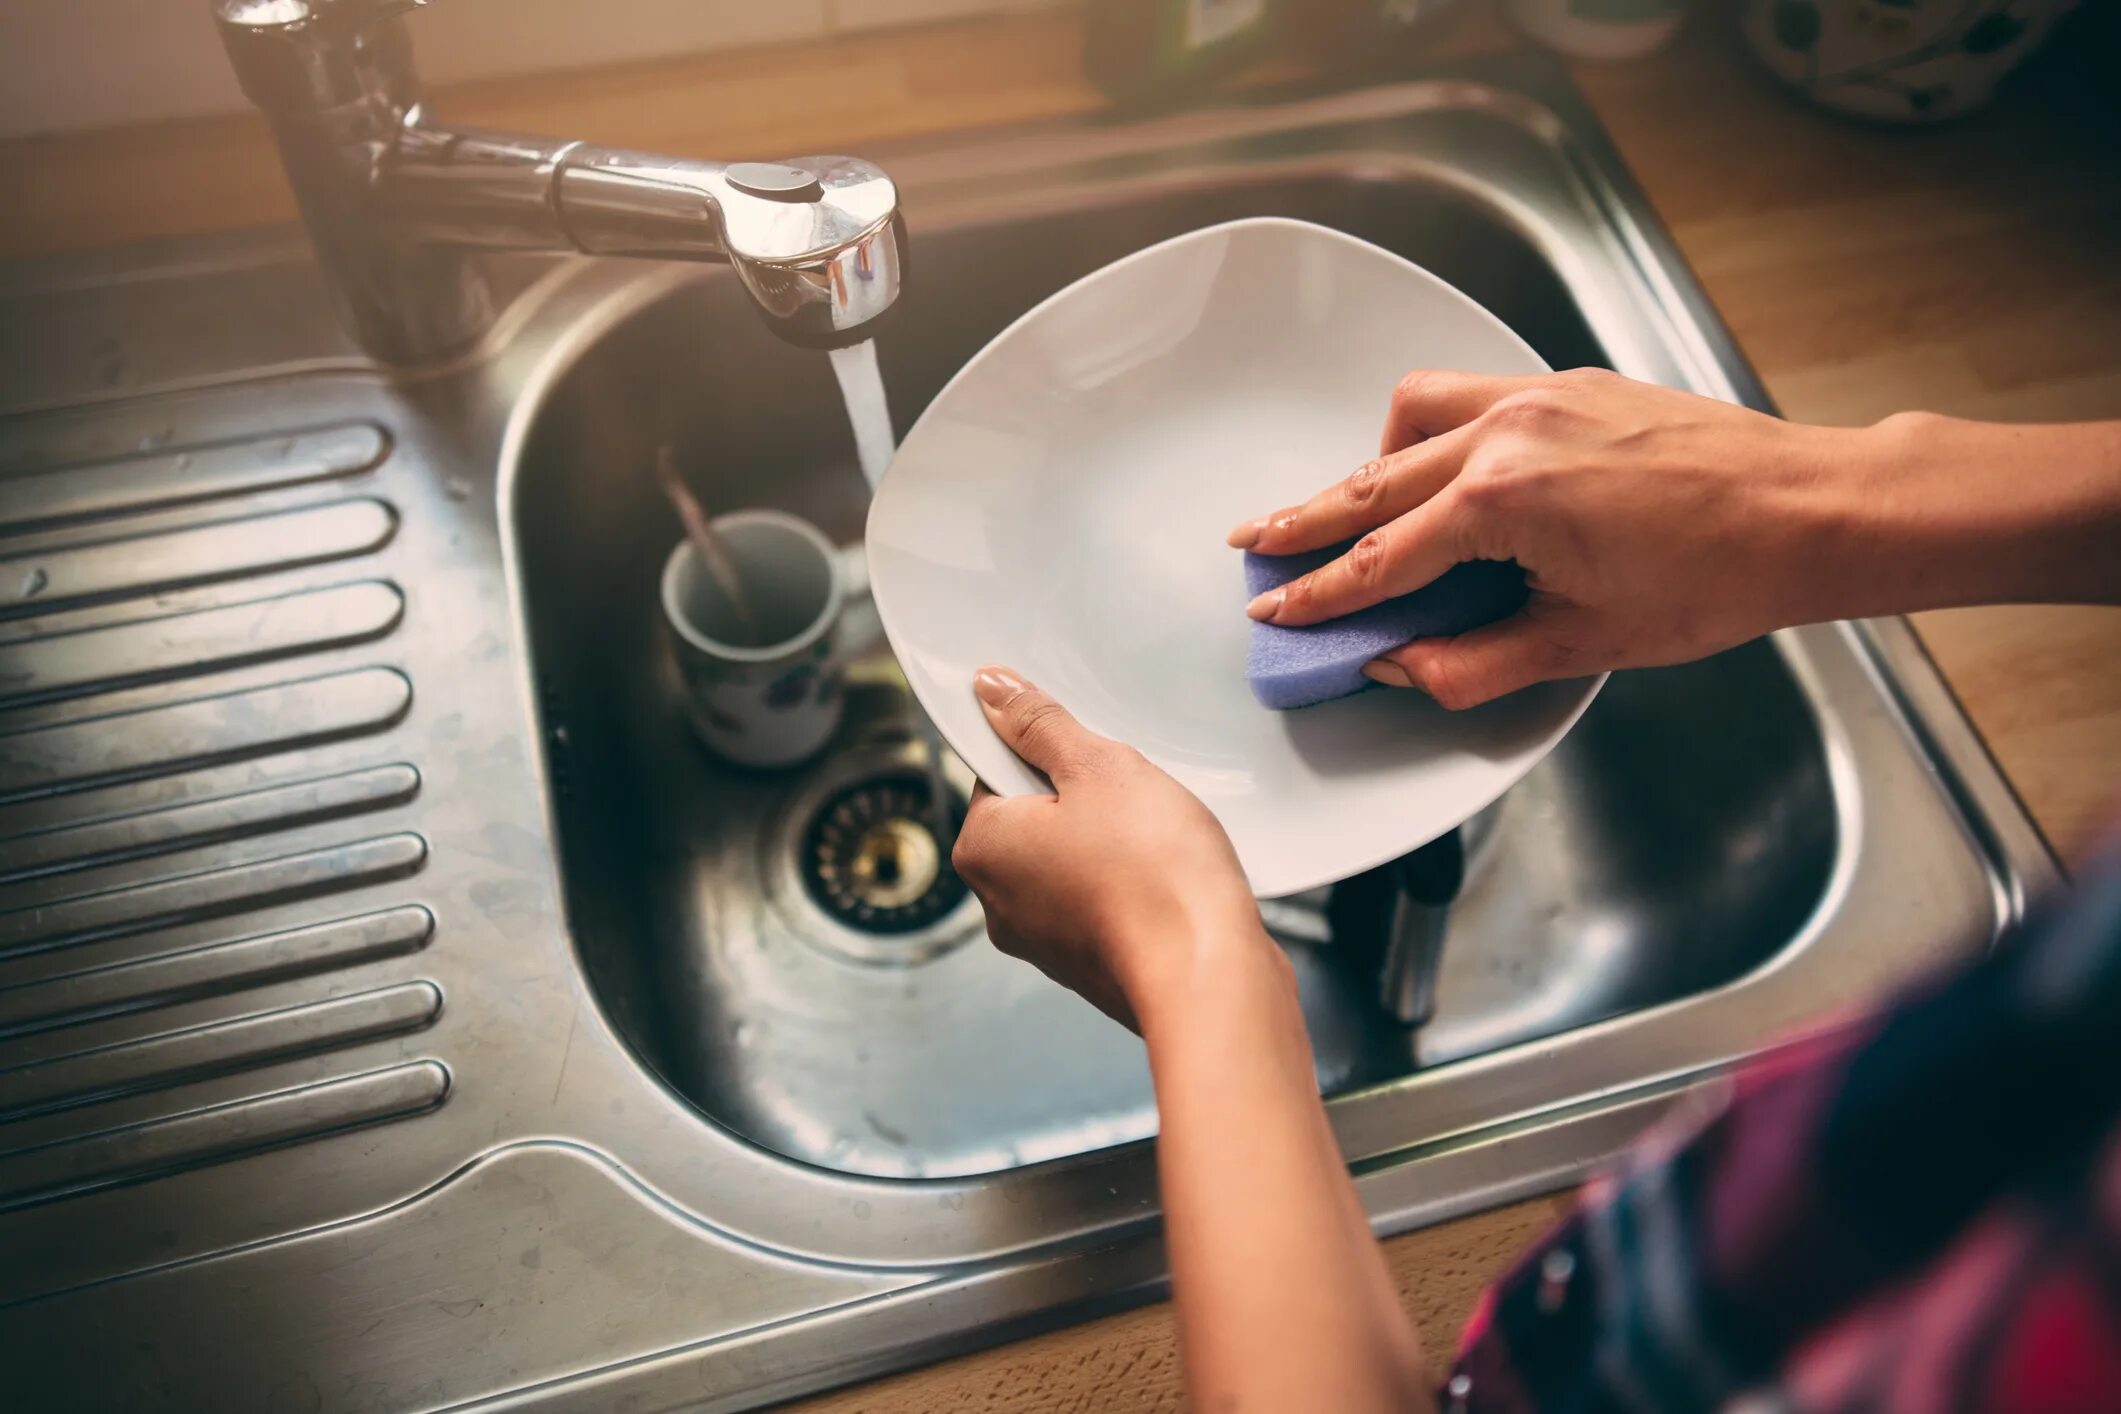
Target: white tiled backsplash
67	64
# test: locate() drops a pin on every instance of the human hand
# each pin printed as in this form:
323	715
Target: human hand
1654	526
1116	886
1122	886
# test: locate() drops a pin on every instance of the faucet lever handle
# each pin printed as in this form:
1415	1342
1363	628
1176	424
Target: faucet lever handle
337	19
283	14
307	56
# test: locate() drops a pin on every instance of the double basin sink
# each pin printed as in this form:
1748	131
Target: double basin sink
399	1010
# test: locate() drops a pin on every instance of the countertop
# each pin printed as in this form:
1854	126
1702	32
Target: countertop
1967	269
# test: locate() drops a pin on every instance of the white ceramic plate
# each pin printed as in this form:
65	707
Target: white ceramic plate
1062	504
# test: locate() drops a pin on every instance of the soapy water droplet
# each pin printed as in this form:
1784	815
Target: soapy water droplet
742	1035
159	438
34	582
184	461
861	1209
457	489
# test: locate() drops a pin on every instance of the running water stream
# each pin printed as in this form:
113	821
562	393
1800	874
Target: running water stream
869	414
862	388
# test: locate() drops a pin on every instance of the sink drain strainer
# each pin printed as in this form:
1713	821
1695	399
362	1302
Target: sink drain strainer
870	858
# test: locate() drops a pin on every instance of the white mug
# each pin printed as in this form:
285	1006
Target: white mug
772	696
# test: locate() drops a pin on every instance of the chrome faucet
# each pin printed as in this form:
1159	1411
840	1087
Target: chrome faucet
399	206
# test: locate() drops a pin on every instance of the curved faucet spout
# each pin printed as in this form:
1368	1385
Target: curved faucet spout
817	241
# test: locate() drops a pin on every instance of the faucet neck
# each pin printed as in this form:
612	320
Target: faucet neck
336	79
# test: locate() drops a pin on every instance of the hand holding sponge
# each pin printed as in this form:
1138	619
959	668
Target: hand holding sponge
1298	667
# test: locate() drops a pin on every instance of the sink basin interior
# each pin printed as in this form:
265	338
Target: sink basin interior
1676	841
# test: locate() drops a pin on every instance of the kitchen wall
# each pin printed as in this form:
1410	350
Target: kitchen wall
70	64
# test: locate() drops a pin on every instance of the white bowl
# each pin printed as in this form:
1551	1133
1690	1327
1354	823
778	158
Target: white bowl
1061	507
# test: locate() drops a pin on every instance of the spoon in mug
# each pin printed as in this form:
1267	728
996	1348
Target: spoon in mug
714	555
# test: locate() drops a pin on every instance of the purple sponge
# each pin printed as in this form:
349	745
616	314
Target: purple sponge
1296	667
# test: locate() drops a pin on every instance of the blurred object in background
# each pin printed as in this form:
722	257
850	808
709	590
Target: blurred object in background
1146	49
1899	61
1598	29
1369	34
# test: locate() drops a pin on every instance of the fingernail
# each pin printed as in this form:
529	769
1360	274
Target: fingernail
997	687
1386	671
1247	535
1265	607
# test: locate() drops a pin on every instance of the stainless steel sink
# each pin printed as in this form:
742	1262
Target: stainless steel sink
397	1010
1677	842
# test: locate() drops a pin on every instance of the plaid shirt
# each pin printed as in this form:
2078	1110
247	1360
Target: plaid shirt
1920	1212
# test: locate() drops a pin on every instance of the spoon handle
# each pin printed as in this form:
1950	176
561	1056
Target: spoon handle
705	543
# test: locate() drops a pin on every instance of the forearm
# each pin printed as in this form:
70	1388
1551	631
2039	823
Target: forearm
1944	512
1284	1300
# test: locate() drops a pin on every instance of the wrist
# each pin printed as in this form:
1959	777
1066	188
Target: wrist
1197	974
1995	513
1920	513
1888	518
1829	545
